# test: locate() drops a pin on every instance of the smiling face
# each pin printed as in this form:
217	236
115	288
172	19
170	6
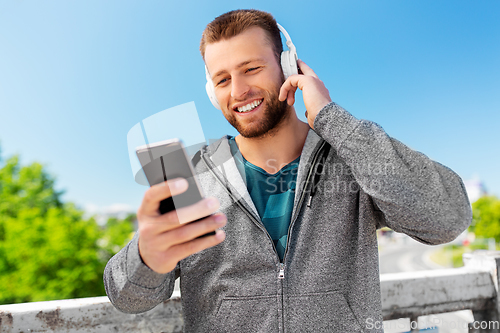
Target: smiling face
247	78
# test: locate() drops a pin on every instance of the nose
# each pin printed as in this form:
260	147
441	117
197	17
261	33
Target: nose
239	87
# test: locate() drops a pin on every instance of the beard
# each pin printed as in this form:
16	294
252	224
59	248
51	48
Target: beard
275	113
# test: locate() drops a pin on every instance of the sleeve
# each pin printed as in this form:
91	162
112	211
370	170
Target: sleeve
133	287
416	196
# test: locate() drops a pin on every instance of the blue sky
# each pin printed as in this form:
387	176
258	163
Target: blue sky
76	76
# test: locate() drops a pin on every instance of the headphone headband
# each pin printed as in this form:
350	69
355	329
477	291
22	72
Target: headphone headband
289	42
288	65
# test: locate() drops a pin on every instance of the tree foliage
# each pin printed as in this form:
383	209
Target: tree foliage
47	249
486	217
117	234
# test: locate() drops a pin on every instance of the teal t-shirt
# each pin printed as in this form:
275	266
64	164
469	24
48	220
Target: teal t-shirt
272	195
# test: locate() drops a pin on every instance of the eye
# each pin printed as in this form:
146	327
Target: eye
252	69
221	82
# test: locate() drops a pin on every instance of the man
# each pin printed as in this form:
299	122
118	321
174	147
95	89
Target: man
304	258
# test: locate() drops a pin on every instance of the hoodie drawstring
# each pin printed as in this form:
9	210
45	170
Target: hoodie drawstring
319	171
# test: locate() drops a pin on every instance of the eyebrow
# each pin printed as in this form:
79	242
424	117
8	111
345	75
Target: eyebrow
242	64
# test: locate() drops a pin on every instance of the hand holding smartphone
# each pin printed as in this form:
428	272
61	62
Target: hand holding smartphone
166	160
186	223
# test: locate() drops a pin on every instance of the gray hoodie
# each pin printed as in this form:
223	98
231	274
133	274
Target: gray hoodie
329	278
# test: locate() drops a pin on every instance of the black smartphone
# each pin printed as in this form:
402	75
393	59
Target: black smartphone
166	160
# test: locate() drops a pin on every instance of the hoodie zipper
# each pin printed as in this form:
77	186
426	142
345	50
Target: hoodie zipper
281	272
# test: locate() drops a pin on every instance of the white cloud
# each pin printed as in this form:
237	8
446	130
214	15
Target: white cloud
102	213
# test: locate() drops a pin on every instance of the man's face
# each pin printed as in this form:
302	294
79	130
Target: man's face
247	78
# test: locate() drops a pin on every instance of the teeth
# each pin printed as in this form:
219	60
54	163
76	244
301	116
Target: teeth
249	106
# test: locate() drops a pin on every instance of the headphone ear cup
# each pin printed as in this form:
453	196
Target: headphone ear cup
284	64
289	63
211	94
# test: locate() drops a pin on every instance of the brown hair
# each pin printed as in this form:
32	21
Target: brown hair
235	22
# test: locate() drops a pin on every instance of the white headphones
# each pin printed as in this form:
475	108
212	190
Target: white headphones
288	65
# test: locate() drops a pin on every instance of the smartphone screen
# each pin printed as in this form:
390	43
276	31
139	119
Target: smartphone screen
166	160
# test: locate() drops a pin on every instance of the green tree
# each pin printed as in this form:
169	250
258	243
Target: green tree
47	249
117	233
26	187
486	217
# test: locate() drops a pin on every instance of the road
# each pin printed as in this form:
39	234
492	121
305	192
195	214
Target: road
407	255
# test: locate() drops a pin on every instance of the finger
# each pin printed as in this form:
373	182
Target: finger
306	70
290	84
198	210
178	217
165	261
283	91
158	192
291	96
184	250
190	231
174	219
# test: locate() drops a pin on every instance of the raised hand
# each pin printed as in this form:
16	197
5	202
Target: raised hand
314	92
